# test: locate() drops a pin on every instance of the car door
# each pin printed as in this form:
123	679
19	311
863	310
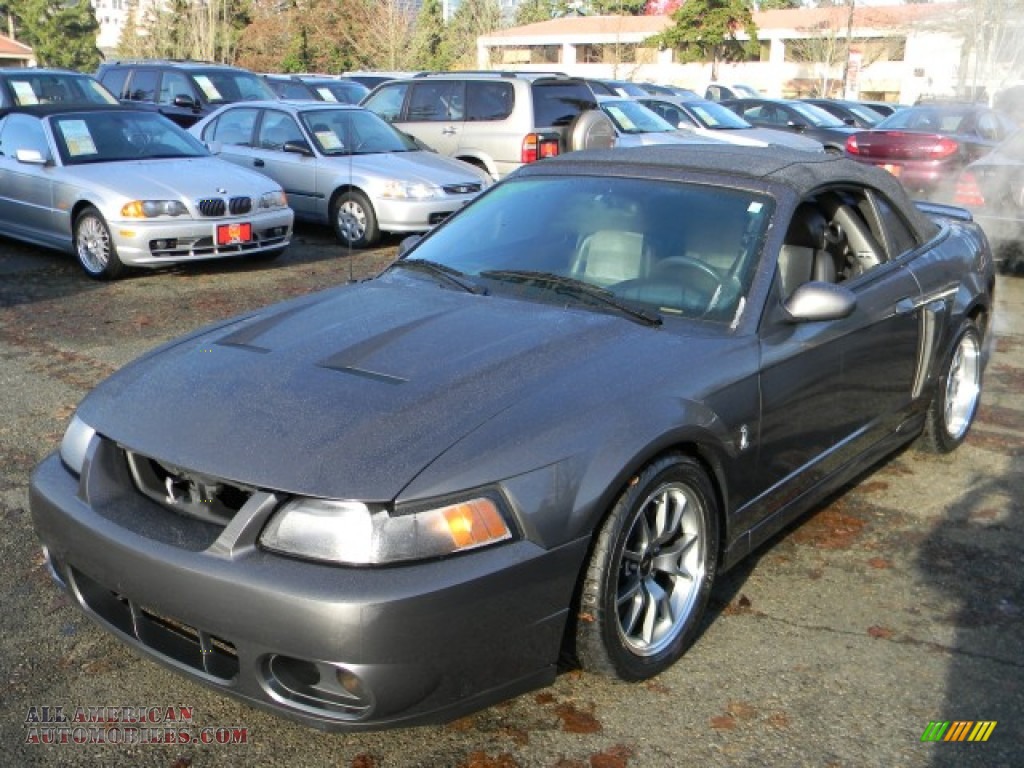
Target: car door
26	188
296	172
435	112
177	99
832	389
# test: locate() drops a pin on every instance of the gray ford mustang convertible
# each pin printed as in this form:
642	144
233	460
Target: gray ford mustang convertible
542	433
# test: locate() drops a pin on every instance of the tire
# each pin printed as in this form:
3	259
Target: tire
94	246
591	129
957	394
647	583
355	223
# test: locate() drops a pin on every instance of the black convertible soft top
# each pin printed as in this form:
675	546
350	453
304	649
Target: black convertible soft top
802	172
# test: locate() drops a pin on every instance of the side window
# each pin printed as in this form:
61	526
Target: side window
115	79
897	234
22	132
489	101
558	103
988	127
440	100
142	86
387	102
276	129
174	84
234	126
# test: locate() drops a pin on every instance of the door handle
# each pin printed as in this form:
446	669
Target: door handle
258	163
449	131
906	306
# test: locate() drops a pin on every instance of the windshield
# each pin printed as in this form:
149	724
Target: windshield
817	116
49	88
112	136
634	117
228	85
711	114
683	250
354	131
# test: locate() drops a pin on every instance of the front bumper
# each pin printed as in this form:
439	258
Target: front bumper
336	648
417	215
167	241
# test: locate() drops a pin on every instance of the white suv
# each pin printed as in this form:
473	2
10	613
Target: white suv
497	121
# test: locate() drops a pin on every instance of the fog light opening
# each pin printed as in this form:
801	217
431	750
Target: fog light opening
315	686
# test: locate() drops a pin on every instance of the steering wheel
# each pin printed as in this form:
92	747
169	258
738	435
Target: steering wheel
700	273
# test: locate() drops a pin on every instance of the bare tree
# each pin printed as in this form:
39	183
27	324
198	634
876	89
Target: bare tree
992	55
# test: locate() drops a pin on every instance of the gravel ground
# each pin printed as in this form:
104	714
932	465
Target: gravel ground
899	603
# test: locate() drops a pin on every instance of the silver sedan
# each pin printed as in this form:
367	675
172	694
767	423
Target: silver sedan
123	187
343	166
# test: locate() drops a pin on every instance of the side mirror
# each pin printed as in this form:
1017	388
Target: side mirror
299	147
185	102
793	125
408	244
816	301
31	157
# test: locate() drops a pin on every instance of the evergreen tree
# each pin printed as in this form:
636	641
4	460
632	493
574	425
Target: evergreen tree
429	36
706	31
472	19
61	34
532	11
618	7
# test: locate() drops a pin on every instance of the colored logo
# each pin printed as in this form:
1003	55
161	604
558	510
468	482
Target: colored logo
958	730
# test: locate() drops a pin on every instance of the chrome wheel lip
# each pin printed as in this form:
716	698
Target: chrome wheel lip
93	245
963	387
351	220
661	569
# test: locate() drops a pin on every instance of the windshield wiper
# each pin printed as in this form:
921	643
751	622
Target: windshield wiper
450	274
577	289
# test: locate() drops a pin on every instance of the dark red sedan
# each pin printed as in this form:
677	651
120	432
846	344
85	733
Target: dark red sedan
926	146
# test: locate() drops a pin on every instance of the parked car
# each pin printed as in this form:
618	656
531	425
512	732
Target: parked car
797	116
850	112
884	108
709	118
497	121
721	91
672	91
542	433
372	78
122	187
317	88
992	188
343	166
637	126
928	145
27	86
622	88
184	91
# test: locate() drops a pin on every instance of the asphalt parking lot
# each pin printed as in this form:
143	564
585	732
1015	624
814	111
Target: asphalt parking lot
899	603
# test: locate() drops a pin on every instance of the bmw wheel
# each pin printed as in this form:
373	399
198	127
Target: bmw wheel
957	394
650	573
95	247
355	223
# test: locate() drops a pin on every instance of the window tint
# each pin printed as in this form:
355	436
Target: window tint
558	103
115	79
439	100
174	84
233	127
387	102
489	101
142	86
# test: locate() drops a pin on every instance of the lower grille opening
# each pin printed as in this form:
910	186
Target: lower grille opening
315	686
164	635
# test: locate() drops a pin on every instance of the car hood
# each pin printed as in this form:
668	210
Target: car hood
418	167
353	392
665	137
781	138
187	178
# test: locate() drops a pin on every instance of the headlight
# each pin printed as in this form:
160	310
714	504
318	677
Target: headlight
76	441
403	190
276	199
148	209
350	532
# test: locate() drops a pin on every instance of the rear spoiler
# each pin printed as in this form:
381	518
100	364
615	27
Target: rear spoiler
946	211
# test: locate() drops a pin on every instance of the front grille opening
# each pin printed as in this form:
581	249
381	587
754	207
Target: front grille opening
438	217
187	493
161	634
461	189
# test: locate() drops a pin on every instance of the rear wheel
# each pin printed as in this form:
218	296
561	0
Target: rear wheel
355	222
94	246
957	394
651	572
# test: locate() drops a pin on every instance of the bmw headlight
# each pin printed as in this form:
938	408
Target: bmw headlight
276	199
350	532
148	209
76	441
404	190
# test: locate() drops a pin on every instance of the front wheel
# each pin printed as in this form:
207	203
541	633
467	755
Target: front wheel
957	394
355	222
94	246
650	574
